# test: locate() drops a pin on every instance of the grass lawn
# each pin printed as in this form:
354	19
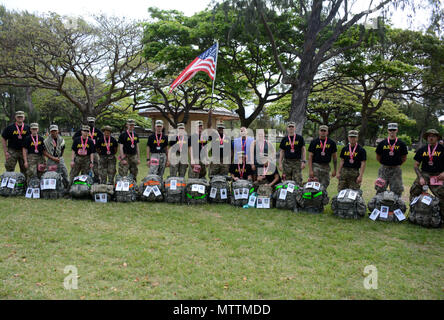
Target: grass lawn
162	251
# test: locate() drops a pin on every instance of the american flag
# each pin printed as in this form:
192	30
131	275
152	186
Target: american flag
206	62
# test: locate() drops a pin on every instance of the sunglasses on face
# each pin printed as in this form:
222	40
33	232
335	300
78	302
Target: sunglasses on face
392	130
322	130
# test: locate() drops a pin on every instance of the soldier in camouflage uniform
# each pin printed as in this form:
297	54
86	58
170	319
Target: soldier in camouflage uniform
178	166
129	151
391	153
82	157
195	145
320	152
292	155
33	148
54	149
156	150
14	135
352	165
106	147
224	144
431	159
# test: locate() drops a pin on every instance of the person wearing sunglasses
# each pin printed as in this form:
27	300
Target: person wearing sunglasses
391	153
320	153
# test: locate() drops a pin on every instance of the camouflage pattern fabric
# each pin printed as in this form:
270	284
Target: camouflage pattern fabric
19	187
322	173
197	175
129	195
59	190
199	196
81	187
178	170
96	168
290	197
151	181
348	178
292	170
219	169
220	184
388	199
240	185
312	199
438	191
347	208
61	168
392	177
425	215
81	166
130	166
107	169
160	168
14	157
34	160
101	189
174	195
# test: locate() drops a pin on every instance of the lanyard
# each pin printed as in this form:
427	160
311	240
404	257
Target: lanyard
108	144
158	140
244	144
83	145
292	143
131	138
352	154
36	143
20	131
261	149
241	173
221	140
92	136
390	146
431	154
323	145
180	142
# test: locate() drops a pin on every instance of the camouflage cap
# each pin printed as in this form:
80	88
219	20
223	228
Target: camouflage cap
107	128
19	114
430	132
392	125
91	119
34	125
130	121
220	124
181	126
353	133
53	127
323	127
85	128
291	124
159	123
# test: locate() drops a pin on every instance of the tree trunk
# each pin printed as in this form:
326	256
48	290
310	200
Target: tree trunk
299	97
364	129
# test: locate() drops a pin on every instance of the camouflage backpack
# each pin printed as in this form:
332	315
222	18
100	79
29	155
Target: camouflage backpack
125	189
102	192
388	200
151	188
196	191
349	204
174	189
12	184
33	184
311	198
285	197
425	211
81	187
240	191
51	185
264	197
219	190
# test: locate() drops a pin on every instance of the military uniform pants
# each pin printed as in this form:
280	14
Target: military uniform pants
292	170
219	169
107	169
61	168
348	178
14	157
33	163
197	175
81	166
96	168
438	191
160	168
178	170
131	165
392	177
322	173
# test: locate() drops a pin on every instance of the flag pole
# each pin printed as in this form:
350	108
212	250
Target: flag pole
212	89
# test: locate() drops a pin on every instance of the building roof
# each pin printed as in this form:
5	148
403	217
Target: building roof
218	112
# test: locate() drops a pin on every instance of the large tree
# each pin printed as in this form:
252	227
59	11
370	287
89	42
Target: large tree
104	57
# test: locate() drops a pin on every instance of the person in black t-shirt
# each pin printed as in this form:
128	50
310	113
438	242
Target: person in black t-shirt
223	143
54	149
292	155
178	152
391	154
129	150
320	153
15	134
33	148
196	143
267	175
241	170
106	147
431	160
156	150
82	157
352	165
